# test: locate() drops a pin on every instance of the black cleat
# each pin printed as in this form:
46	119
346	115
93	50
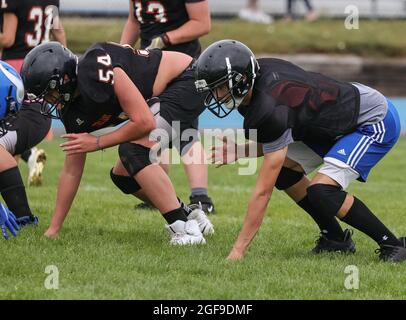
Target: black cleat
326	245
205	203
144	206
393	253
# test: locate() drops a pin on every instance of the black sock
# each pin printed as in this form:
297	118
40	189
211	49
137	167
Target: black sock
25	155
361	218
174	215
185	208
329	226
13	191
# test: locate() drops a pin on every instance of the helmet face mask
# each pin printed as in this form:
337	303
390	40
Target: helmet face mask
50	76
226	94
226	70
55	98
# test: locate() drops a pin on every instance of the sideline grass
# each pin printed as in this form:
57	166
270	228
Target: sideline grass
372	39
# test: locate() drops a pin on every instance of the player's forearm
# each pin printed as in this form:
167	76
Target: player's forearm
8	34
253	220
131	33
129	132
60	35
189	31
68	186
5	41
265	184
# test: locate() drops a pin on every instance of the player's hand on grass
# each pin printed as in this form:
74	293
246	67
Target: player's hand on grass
51	233
79	143
235	255
224	154
8	222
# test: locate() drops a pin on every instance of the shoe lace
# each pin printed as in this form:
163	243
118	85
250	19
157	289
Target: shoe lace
386	250
348	234
320	238
194	206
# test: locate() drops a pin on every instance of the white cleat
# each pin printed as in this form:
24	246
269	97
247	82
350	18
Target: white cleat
185	233
36	163
205	225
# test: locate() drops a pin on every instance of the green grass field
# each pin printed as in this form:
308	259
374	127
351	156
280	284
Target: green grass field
109	250
372	39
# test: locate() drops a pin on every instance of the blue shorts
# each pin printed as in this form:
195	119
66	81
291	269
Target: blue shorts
364	148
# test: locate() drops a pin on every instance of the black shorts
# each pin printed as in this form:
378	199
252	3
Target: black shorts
180	106
31	127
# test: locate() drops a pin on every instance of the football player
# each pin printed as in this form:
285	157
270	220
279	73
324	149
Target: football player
108	86
172	25
27	24
175	25
19	131
303	119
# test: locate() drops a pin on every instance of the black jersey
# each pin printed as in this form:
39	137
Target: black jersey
314	106
97	105
35	20
158	17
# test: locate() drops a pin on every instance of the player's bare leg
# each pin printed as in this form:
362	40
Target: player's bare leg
196	169
158	189
164	163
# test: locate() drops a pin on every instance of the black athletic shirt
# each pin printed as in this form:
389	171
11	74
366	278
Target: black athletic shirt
158	17
35	18
97	106
314	106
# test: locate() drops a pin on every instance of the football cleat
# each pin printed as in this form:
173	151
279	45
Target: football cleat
185	233
323	244
205	202
393	253
205	225
36	163
28	220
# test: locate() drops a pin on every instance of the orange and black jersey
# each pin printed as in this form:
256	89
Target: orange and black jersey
97	106
314	106
35	20
160	16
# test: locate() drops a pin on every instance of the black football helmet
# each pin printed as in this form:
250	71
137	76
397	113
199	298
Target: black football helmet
226	64
50	66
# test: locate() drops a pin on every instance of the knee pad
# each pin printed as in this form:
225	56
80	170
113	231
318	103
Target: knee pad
287	178
127	185
326	198
134	157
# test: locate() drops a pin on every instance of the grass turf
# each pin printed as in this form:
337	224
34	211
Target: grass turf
372	39
109	250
